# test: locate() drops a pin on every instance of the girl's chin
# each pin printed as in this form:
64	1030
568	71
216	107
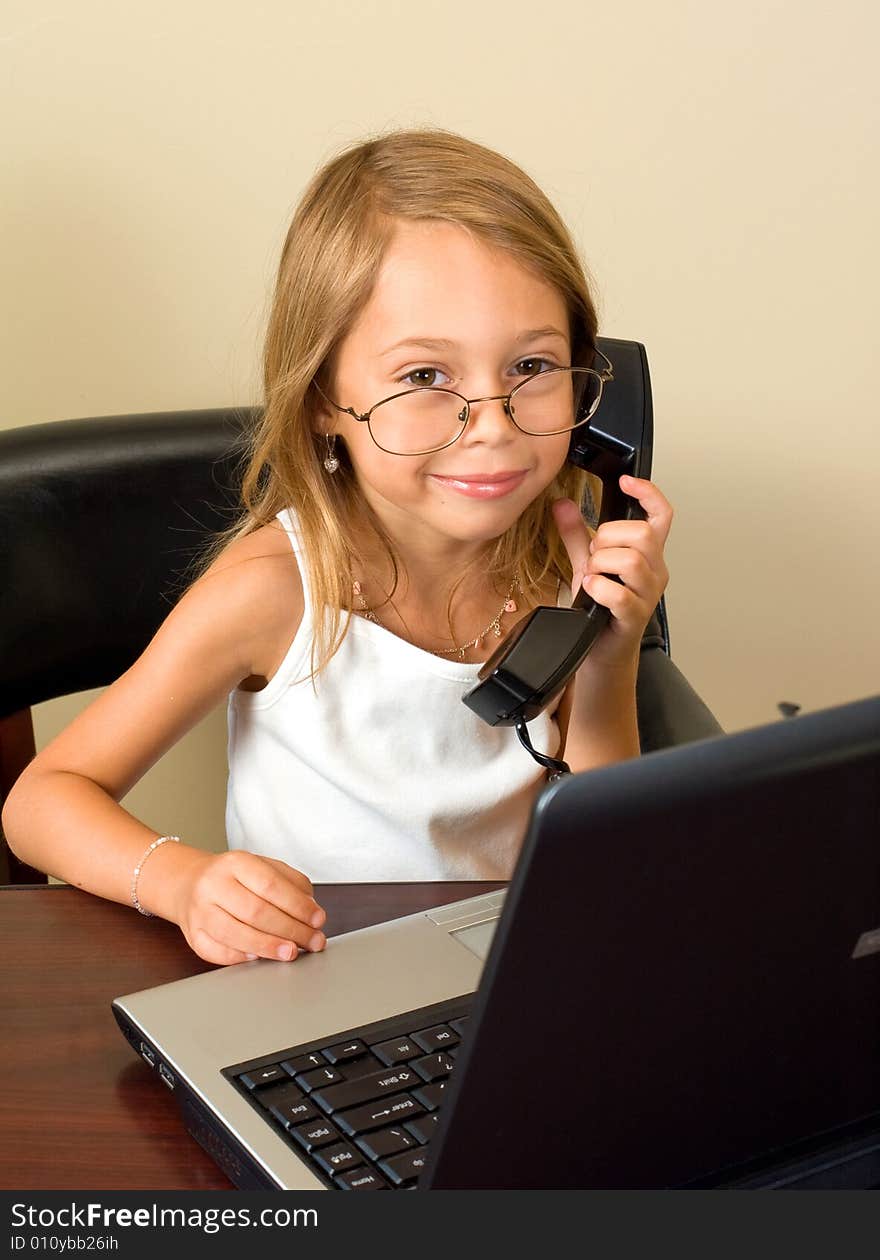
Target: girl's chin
487	530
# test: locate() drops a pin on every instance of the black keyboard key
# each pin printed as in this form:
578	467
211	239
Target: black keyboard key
430	1096
303	1063
363	1088
353	1068
441	1037
387	1142
458	1025
259	1078
277	1093
293	1109
316	1133
424	1127
433	1067
361	1179
374	1115
334	1159
345	1051
314	1080
396	1050
406	1167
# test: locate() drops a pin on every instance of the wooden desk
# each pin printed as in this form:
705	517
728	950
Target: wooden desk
77	1109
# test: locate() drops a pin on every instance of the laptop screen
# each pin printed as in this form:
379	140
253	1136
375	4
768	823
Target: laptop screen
683	983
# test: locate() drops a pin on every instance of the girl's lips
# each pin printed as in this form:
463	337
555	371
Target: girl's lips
483	486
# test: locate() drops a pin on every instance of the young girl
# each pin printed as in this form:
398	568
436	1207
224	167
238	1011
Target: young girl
402	510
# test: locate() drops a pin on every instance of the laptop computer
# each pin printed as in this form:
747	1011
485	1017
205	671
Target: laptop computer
680	987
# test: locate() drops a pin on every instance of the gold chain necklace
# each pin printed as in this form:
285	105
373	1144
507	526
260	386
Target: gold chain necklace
494	626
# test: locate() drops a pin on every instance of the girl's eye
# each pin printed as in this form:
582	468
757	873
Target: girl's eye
428	375
535	371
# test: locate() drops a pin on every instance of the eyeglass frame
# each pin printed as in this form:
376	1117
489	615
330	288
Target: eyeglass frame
603	375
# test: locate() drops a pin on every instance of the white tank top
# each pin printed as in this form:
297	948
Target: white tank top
378	773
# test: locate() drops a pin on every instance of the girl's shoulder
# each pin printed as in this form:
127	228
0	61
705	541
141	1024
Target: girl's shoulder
267	542
262	564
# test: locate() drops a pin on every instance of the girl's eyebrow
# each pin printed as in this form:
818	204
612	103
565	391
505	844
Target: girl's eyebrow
444	343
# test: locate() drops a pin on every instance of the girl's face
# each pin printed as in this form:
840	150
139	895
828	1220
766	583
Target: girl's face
497	322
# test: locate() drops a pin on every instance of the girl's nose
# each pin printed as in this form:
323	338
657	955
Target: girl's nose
490	416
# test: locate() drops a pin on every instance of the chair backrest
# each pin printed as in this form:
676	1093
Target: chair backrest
100	520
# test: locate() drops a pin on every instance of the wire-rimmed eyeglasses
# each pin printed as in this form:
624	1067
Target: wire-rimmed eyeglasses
428	418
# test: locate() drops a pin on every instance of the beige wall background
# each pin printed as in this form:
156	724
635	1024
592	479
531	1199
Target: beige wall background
716	163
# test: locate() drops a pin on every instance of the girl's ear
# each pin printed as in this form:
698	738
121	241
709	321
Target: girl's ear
323	413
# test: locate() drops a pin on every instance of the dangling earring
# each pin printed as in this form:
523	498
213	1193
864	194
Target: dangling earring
331	463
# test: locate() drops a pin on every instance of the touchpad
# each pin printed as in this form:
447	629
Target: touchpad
477	938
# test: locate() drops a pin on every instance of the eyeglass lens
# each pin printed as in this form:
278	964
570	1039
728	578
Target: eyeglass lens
427	419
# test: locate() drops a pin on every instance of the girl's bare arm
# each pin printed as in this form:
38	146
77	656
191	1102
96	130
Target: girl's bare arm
63	815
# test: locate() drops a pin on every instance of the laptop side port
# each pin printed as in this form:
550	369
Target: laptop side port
148	1053
166	1075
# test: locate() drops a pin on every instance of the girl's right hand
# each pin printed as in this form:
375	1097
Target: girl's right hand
236	906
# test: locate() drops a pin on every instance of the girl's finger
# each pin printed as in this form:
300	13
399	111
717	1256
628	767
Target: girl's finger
657	508
635	536
291	873
573	532
255	917
618	599
215	951
632	567
247	938
273	885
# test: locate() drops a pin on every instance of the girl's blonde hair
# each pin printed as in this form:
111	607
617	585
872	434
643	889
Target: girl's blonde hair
329	264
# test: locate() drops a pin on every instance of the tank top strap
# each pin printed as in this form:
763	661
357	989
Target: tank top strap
289	522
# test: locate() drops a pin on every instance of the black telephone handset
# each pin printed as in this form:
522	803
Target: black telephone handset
533	663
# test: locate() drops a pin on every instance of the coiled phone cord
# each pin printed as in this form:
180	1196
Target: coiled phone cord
557	768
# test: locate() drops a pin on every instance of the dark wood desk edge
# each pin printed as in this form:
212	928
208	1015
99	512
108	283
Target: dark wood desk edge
30	887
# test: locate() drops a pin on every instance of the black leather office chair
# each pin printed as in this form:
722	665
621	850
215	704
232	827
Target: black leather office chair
100	520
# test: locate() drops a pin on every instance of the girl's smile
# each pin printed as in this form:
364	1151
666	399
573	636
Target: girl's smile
482	485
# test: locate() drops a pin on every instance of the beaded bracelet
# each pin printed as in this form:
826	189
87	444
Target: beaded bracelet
148	914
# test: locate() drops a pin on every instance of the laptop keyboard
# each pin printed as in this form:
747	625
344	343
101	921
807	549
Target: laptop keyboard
362	1106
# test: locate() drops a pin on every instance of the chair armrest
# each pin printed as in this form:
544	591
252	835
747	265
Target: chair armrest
669	710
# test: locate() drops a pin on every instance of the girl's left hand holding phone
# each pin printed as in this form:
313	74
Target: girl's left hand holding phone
633	551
